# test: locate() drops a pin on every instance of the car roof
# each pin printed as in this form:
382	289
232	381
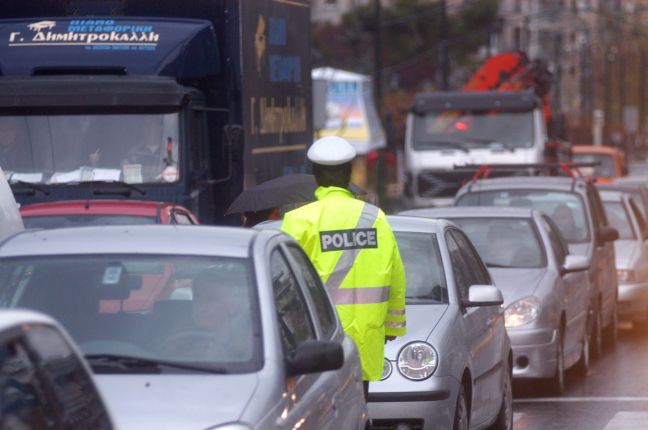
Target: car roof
590	149
612	196
621	186
524	182
94	206
472	212
408	223
10	318
146	239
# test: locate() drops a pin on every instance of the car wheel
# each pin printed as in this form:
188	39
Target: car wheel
557	382
612	330
461	411
504	419
583	364
596	339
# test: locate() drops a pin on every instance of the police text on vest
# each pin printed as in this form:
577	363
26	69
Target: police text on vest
339	240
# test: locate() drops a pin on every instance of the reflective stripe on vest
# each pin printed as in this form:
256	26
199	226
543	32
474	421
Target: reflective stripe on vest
361	295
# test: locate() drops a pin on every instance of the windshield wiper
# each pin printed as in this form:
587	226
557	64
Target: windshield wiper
126	363
120	188
493	142
446	143
27	192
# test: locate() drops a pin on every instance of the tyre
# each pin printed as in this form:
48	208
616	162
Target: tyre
596	337
583	364
556	384
504	419
461	411
612	330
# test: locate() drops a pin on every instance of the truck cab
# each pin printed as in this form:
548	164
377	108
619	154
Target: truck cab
449	129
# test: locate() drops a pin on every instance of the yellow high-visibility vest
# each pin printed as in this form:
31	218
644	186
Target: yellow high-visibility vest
355	253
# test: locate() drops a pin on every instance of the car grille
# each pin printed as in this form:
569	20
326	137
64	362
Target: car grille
415	424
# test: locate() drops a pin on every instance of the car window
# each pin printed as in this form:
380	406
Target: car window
64	376
504	242
641	221
565	208
202	310
426	282
459	266
558	244
23	400
182	218
478	274
324	308
292	313
620	219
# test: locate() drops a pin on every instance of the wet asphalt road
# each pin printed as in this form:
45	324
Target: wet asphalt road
613	396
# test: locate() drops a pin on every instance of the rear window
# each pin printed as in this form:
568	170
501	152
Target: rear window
61	221
504	242
566	209
604	170
423	268
619	219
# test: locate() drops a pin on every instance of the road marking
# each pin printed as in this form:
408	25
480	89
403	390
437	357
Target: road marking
581	399
627	421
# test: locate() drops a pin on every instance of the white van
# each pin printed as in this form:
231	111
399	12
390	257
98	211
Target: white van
448	129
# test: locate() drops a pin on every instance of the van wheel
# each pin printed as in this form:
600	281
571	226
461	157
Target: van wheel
461	411
504	419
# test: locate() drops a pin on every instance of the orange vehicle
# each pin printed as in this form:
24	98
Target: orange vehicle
612	161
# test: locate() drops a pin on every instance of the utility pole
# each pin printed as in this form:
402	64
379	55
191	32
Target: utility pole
443	37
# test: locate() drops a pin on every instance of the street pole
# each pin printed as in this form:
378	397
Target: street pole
443	37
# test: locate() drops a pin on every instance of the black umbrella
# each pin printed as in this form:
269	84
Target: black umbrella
277	192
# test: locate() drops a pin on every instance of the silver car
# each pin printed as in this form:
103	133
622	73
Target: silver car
545	288
631	251
44	382
193	327
574	204
453	368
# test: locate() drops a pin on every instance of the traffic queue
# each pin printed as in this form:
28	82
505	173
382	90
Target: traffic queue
335	316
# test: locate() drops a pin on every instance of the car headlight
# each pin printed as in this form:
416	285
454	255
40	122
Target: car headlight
417	361
387	370
231	426
522	312
626	275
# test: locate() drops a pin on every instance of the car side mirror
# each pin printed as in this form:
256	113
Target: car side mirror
483	295
608	234
574	263
314	356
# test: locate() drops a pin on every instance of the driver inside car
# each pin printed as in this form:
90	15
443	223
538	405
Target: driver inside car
220	327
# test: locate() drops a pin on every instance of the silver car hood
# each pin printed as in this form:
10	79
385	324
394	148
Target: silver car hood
625	252
192	402
580	248
421	321
516	283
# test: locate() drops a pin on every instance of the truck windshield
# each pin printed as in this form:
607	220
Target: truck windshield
477	129
59	149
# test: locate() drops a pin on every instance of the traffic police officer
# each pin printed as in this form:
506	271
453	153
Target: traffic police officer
355	253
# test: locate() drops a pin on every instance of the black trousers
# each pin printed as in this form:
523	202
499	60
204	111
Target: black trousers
365	386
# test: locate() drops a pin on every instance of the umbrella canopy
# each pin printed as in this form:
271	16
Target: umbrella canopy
277	192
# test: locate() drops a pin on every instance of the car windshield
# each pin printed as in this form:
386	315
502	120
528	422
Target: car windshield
619	219
478	129
59	149
605	169
504	242
192	311
564	208
61	221
423	268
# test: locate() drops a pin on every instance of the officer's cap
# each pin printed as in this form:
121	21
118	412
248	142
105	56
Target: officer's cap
331	151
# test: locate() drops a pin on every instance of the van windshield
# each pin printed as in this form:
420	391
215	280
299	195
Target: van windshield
566	209
466	130
60	149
